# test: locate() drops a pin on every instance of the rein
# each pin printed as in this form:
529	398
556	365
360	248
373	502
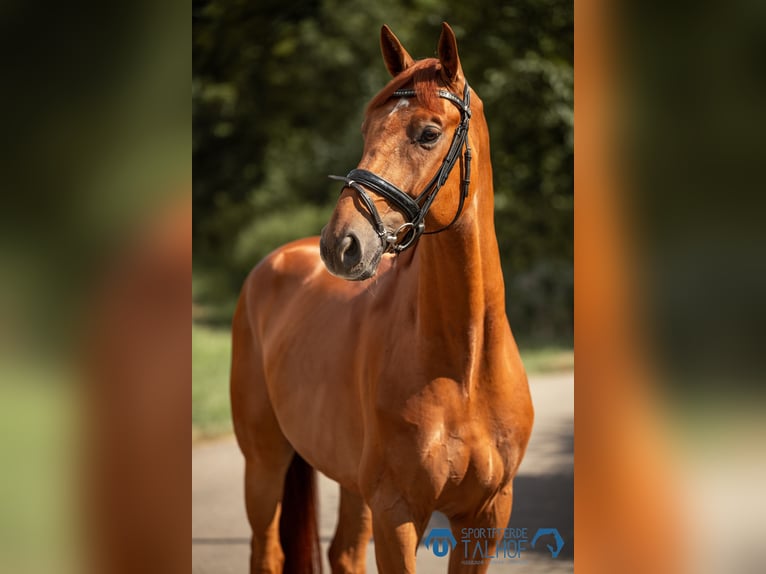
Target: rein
416	209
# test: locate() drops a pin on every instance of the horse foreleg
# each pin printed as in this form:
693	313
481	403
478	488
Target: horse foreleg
265	470
495	516
348	550
397	528
267	453
263	495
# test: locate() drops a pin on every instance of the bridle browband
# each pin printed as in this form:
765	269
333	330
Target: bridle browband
417	208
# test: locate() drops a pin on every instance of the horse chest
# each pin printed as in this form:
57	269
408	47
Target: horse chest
465	459
448	459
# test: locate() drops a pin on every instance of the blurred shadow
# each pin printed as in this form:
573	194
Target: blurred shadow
545	501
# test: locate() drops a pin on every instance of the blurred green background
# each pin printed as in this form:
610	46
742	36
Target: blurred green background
278	94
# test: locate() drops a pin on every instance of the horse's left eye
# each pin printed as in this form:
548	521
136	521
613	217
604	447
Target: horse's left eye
429	136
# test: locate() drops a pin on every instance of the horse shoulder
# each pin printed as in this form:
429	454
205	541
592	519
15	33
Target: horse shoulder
297	259
510	404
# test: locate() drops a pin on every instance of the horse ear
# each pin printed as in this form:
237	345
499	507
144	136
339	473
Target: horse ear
451	69
394	55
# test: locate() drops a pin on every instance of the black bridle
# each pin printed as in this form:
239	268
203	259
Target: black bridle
417	208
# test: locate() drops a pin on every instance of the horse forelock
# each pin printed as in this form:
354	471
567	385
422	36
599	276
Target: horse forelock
424	76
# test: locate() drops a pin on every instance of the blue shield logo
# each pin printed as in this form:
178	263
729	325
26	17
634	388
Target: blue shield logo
441	541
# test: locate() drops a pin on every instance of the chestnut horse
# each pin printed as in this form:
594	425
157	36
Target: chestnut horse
395	373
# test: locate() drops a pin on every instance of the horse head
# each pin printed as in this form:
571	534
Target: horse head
415	131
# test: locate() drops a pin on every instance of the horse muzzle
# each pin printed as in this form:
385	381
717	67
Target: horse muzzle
350	255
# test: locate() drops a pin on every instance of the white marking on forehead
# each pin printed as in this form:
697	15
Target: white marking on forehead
402	103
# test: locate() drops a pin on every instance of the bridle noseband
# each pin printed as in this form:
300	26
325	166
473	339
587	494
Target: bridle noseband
417	208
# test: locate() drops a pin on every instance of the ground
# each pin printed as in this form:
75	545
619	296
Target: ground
543	492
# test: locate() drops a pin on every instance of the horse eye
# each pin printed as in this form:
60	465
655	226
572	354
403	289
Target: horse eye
429	136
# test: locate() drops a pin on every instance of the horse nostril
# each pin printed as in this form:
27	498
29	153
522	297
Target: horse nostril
350	251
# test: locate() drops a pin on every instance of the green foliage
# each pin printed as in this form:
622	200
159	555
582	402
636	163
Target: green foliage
543	360
279	91
211	356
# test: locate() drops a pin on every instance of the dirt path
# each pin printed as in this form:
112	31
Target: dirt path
543	493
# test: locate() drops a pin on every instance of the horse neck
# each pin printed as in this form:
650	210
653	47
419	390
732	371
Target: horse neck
461	294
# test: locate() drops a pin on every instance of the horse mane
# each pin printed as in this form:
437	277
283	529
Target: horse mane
425	78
